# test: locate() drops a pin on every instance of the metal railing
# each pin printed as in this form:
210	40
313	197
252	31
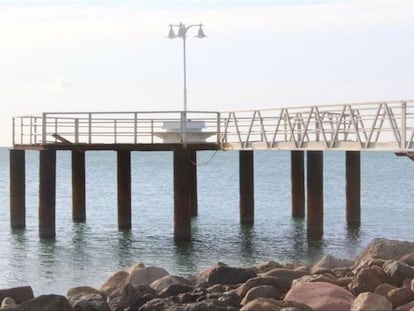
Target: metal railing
117	128
360	126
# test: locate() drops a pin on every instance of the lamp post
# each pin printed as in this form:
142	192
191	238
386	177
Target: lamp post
182	33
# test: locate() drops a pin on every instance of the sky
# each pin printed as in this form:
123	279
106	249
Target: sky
114	55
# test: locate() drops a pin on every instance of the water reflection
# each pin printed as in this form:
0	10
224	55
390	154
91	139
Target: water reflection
353	232
246	238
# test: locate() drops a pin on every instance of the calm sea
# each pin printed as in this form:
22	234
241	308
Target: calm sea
86	254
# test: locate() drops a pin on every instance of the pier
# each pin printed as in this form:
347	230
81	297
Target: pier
307	132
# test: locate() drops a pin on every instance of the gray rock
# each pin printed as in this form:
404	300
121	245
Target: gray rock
146	276
87	299
328	278
230	275
383	289
281	285
329	262
174	290
371	302
408	259
19	294
384	249
398	271
45	303
168	280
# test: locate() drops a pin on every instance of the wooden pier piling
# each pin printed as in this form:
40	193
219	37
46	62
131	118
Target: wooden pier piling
315	194
47	194
182	196
297	175
17	189
353	188
78	186
246	179
193	183
124	189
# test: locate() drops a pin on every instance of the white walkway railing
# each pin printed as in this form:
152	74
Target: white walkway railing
364	126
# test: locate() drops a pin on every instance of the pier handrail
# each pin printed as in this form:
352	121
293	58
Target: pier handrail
381	126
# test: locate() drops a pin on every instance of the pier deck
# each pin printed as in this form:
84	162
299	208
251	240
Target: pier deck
379	126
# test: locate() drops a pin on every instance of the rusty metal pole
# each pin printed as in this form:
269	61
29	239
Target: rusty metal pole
47	194
17	189
353	188
182	195
297	176
124	189
193	182
78	186
246	179
315	194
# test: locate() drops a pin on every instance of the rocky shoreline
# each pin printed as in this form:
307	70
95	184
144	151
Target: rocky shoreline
380	278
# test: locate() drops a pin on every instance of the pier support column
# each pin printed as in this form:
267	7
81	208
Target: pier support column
193	183
47	194
297	175
315	194
124	189
246	175
78	186
353	188
182	194
17	189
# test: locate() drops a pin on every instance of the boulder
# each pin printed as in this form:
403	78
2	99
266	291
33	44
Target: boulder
321	296
366	280
268	304
146	276
137	266
266	266
286	275
328	278
406	307
412	285
218	288
329	262
7	303
383	289
230	275
45	303
384	249
400	296
281	285
174	290
398	271
371	302
115	283
19	294
86	298
132	296
263	291
205	273
408	259
168	280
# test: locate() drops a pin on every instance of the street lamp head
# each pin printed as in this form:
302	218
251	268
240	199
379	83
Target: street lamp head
200	33
171	33
181	31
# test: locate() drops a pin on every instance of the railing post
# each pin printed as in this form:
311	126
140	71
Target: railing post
13	131
403	143
90	128
76	130
218	128
135	127
44	128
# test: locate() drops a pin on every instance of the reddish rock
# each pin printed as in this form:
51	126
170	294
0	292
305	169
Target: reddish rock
286	274
384	288
321	296
365	281
46	303
371	302
115	283
406	307
398	271
262	291
268	304
400	296
329	262
412	285
277	283
408	259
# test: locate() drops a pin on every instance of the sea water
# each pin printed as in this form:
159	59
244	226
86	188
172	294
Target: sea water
87	254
